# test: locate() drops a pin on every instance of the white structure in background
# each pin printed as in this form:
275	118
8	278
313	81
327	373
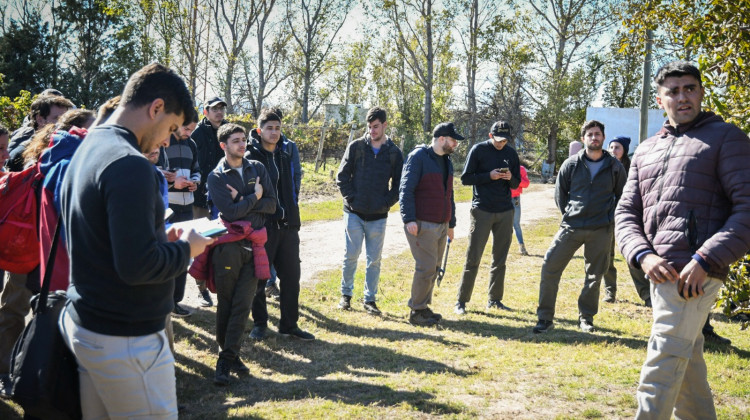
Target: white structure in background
339	114
624	122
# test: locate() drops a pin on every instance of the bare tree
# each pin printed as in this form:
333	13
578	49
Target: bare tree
234	19
314	25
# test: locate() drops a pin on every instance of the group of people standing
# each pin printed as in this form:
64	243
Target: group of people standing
680	212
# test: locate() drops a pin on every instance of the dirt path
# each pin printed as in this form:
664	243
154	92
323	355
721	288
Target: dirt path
322	243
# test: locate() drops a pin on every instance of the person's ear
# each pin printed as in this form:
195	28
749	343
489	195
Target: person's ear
223	145
156	107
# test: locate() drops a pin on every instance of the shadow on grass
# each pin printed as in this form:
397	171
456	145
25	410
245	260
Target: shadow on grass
319	363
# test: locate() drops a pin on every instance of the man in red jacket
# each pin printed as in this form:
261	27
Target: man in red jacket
683	218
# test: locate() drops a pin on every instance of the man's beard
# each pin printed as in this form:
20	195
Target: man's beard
447	149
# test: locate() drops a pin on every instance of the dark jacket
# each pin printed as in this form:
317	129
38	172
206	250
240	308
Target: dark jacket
491	195
121	265
281	172
246	205
587	203
422	194
16	146
688	191
209	155
368	182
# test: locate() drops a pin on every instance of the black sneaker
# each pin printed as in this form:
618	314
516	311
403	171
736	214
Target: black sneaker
712	337
586	325
180	312
422	318
345	303
543	326
221	378
609	298
205	300
239	368
296	332
258	332
272	292
372	309
5	386
460	308
434	315
497	304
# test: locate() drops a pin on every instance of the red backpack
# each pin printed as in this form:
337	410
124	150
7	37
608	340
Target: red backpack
19	245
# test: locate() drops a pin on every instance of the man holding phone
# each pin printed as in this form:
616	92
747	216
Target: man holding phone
493	169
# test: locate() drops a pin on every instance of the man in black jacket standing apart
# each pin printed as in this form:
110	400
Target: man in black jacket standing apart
493	169
588	187
368	178
122	260
209	151
282	228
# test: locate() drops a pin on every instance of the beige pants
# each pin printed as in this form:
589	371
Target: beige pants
427	248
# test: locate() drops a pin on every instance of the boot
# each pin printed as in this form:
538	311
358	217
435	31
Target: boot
523	249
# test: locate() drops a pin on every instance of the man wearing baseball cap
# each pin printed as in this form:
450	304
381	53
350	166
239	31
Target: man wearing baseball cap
492	169
428	212
209	151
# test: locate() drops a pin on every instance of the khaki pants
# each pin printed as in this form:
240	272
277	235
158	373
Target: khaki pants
674	376
427	248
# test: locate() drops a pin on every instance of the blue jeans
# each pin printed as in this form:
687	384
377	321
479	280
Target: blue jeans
272	281
517	219
373	233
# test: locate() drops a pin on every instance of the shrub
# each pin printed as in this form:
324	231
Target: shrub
734	297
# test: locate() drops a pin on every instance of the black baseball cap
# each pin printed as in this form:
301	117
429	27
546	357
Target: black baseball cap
501	129
446	129
215	101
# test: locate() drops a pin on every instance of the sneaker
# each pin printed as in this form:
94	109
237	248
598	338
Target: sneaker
460	308
543	326
586	325
239	368
497	304
372	309
5	386
609	298
205	300
221	378
345	303
434	315
712	337
258	332
296	332
180	312
422	318
523	250
272	292
647	302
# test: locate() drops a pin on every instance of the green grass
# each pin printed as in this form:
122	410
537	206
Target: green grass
486	364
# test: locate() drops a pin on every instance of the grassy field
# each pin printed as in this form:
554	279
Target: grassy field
486	364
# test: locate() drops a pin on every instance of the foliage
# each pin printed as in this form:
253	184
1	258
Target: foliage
623	71
734	298
13	111
717	33
25	56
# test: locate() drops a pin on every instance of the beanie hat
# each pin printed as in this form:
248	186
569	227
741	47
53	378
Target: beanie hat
624	141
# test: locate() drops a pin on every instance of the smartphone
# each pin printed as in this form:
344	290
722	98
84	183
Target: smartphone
504	170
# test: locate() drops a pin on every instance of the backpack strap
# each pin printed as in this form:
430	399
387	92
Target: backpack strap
41	303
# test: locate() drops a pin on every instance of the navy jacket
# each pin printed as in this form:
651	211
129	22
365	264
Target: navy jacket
280	167
121	265
368	182
209	155
423	195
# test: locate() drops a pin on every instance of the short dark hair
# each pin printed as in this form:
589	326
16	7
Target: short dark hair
156	81
677	69
376	113
276	110
267	115
43	104
107	109
226	131
191	118
3	130
591	124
